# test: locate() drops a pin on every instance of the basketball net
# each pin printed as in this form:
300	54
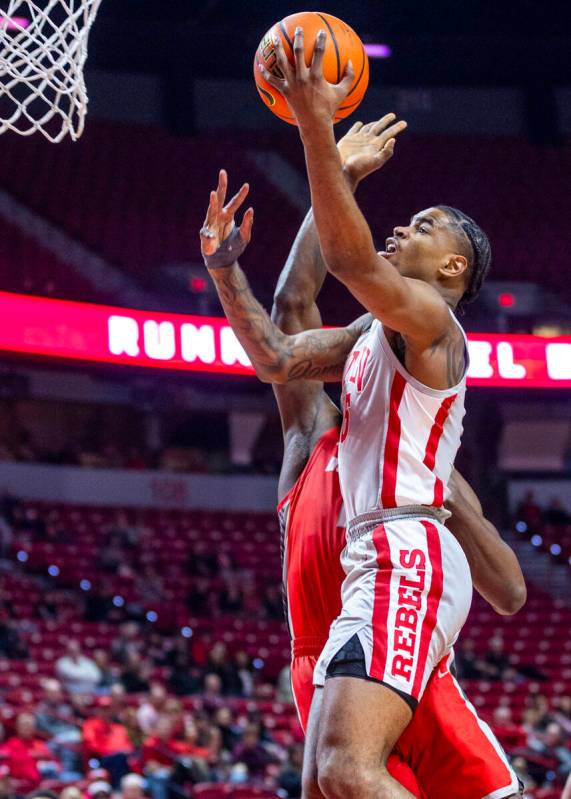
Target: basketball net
43	49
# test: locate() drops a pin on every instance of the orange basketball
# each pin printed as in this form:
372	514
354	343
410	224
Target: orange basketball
342	45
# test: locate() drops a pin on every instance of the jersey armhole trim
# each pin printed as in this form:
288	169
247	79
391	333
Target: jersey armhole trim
431	392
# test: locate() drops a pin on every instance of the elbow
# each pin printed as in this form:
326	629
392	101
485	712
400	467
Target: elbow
289	303
274	376
514	599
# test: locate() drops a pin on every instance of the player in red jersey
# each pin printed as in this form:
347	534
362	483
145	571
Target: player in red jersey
464	754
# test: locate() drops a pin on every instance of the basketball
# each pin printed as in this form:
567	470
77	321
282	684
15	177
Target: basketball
342	45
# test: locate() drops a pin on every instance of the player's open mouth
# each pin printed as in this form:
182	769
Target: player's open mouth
391	247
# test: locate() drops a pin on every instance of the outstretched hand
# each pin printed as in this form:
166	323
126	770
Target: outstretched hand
219	223
307	92
366	148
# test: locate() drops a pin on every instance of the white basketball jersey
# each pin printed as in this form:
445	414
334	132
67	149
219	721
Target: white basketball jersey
399	438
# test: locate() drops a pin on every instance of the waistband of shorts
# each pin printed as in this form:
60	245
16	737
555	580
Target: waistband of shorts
366	522
308	646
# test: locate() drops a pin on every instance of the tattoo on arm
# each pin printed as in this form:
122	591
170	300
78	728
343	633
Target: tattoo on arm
455	360
314	354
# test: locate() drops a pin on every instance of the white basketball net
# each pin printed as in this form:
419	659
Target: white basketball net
43	49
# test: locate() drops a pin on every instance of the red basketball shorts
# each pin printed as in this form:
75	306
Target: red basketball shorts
446	749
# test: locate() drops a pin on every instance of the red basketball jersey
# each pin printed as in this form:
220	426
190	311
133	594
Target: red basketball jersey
313	536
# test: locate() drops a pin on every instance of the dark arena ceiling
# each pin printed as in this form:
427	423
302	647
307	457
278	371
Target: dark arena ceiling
465	42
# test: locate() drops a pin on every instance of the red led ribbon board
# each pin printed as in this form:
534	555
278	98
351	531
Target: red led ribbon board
104	334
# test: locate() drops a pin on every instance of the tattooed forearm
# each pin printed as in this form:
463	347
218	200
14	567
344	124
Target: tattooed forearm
278	358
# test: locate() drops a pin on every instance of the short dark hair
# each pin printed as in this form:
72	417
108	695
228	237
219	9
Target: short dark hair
40	794
479	254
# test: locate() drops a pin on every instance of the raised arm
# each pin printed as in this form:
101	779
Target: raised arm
495	569
277	357
412	307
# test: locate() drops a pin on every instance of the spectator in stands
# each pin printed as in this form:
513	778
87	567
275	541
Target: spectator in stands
7	788
128	641
167	761
251	752
496	663
510	735
552	744
10	645
228	727
27	756
55	718
289	779
184	678
109	675
201	600
245	673
273	602
555	513
77	673
150	710
132	786
107	740
466	661
212	697
71	792
100	789
135	675
283	690
521	769
562	713
529	511
130	722
219	664
201	562
231	599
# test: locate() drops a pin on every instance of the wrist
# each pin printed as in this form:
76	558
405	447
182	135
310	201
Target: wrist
352	181
315	126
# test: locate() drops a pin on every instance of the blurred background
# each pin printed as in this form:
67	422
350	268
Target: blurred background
141	628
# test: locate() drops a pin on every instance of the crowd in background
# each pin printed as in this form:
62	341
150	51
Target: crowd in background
104	723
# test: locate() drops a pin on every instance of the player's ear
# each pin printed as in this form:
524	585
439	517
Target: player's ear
454	266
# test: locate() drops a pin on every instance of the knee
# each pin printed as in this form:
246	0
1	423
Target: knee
310	787
342	776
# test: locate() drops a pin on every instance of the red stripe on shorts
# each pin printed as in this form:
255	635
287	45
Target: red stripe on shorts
391	455
381	603
432	446
432	603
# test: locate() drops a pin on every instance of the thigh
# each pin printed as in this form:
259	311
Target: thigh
360	719
448	744
310	788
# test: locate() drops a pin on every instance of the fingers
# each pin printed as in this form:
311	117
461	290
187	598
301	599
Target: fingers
281	58
212	212
246	226
348	78
236	201
316	69
222	188
394	130
299	51
381	124
277	83
388	150
355	128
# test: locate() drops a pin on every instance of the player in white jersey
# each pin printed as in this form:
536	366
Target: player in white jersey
408	586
